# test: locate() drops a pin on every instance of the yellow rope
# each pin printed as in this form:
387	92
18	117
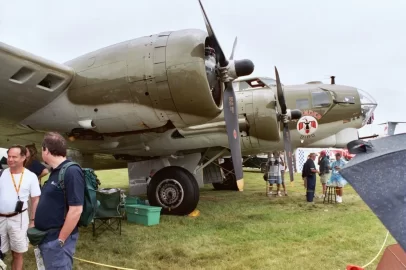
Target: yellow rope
379	252
105	265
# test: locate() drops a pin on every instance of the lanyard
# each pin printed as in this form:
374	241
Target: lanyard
19	184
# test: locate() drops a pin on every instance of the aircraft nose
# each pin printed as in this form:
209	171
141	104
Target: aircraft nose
368	106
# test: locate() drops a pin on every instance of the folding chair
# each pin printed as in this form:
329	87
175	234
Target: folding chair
108	212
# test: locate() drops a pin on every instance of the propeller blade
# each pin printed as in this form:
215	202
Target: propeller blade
233	132
286	132
232	52
281	95
213	40
288	150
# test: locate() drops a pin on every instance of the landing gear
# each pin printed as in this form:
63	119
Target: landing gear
263	167
174	189
229	180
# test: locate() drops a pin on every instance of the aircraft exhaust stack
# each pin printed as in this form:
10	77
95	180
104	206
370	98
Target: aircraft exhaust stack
333	79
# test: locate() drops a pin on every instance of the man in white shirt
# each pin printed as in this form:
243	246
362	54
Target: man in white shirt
17	184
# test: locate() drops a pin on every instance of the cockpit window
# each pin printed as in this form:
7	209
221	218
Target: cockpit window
321	99
269	82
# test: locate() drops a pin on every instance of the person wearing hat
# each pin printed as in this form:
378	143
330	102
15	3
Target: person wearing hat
336	180
324	167
309	172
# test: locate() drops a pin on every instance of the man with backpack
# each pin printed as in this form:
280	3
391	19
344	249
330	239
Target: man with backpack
60	206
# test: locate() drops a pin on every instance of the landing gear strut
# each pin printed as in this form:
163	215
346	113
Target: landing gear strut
229	180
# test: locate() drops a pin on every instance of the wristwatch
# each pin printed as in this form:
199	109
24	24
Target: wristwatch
61	243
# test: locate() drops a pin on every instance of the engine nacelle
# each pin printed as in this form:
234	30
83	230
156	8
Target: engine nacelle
263	119
171	72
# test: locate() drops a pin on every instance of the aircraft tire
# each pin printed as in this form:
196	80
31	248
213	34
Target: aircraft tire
174	189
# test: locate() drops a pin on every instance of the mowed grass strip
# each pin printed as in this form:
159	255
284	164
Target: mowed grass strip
241	230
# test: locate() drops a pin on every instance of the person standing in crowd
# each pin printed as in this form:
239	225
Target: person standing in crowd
324	168
309	171
336	180
304	175
274	173
17	184
59	208
282	167
33	164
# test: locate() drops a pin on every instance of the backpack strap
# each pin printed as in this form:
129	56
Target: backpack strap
61	181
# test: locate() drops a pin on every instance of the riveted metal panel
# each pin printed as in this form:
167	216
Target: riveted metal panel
156	103
139	92
254	140
159	55
167	103
138	56
163	90
160	72
162	39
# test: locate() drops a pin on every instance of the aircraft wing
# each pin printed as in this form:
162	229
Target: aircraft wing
28	82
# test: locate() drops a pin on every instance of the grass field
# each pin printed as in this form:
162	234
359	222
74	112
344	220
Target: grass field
241	230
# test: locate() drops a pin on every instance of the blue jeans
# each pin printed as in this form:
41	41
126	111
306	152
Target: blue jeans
56	257
311	187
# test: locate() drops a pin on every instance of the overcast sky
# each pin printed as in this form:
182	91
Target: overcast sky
361	42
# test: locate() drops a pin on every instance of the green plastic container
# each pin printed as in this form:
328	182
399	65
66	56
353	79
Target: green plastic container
133	200
143	214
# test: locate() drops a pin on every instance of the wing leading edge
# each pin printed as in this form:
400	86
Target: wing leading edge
28	82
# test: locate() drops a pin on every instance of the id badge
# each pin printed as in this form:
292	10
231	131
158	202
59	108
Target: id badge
38	259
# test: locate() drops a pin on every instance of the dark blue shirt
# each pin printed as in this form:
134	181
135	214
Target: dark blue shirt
51	207
323	165
36	167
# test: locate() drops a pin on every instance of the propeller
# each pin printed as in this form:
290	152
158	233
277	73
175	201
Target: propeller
286	116
230	69
232	52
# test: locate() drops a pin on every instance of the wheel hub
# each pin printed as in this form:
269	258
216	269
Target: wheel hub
169	193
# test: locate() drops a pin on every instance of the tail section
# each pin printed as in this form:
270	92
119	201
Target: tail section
390	127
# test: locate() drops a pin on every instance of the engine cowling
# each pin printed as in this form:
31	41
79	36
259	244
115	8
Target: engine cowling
263	120
172	72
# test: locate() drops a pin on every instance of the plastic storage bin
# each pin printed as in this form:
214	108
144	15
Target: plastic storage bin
143	214
133	200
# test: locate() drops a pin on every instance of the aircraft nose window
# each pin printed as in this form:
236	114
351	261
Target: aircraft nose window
368	105
321	99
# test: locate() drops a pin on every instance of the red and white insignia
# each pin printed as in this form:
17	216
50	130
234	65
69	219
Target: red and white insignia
235	134
307	125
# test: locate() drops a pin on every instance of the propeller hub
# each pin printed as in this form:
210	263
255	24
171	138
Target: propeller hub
243	67
295	114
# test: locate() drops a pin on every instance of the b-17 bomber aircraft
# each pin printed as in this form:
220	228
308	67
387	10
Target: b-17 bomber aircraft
169	106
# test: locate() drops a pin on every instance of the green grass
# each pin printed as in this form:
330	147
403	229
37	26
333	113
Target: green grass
241	230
